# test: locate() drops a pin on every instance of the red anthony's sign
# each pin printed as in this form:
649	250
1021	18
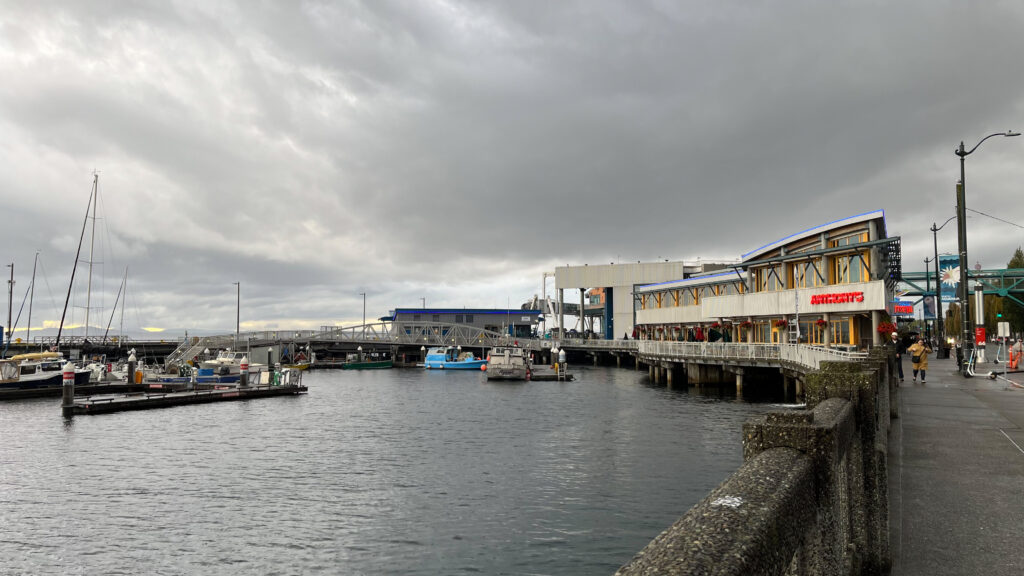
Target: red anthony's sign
840	298
903	309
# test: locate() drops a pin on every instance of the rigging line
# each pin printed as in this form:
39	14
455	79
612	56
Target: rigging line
995	218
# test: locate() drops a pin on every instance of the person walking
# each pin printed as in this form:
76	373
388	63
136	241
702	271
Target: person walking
1015	352
900	350
919	352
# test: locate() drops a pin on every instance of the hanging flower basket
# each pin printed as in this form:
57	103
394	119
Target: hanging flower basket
746	324
716	325
886	328
781	323
820	322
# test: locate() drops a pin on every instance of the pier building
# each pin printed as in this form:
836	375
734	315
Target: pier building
441	321
606	291
831	285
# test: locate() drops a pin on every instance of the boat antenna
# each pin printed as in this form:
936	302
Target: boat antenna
78	253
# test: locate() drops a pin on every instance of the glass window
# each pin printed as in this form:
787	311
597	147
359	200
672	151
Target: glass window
850	239
769	279
811	332
469	318
841	331
851	268
762	332
416	317
808	274
437	318
458	318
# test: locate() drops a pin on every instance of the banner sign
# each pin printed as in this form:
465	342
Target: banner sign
949	275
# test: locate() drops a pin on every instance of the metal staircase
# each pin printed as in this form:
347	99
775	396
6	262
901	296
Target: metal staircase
193	347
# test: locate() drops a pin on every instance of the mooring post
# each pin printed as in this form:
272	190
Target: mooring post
67	405
131	367
243	375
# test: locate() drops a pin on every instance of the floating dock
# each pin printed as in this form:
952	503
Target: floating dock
103	404
548	374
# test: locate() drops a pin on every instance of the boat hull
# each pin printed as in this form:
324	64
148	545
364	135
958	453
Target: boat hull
51	385
377	365
465	365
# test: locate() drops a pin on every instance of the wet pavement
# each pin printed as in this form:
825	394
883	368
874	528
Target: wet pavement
956	474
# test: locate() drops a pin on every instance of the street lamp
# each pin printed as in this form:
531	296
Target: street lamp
967	341
363	294
939	325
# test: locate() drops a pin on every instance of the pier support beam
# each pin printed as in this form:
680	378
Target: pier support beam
650	371
668	377
561	314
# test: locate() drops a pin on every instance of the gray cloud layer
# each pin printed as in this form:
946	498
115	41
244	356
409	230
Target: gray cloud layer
454	150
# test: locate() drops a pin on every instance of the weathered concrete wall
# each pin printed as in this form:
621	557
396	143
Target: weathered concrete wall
811	495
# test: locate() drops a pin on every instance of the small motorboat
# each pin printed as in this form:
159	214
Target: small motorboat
452	358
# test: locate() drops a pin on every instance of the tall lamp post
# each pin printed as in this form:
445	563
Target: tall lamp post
939	323
966	338
924	301
363	294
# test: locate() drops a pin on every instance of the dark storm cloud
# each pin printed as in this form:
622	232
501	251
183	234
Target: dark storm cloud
454	150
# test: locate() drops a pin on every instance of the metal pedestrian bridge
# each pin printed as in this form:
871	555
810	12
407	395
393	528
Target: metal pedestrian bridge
436	334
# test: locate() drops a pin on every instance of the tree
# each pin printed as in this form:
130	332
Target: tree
1012	311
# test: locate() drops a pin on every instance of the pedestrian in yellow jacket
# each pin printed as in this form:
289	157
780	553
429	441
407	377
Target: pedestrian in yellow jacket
919	352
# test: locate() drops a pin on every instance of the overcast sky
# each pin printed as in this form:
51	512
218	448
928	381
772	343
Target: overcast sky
454	151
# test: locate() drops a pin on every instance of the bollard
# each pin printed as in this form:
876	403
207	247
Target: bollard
243	376
131	368
67	406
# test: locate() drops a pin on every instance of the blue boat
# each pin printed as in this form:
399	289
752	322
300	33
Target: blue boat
450	358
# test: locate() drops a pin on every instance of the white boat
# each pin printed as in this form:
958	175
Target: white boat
508	363
38	374
227	363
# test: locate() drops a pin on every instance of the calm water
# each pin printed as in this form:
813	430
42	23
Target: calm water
375	472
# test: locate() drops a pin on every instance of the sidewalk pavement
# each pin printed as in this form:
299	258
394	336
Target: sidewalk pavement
956	474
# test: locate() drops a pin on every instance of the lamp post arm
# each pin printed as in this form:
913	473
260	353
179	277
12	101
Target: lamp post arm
960	151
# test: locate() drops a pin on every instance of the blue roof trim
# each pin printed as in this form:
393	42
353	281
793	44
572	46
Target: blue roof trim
482	311
693	278
781	240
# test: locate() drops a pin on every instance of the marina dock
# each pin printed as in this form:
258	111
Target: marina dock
102	404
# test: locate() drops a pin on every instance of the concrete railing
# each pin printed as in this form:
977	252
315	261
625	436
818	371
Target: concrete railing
811	496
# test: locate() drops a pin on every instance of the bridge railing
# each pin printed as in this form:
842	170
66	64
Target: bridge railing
598	344
800	354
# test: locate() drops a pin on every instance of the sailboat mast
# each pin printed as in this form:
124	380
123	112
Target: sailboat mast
74	267
10	300
120	329
32	296
92	244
